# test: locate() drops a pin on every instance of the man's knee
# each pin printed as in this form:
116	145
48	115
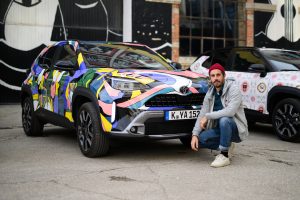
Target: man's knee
225	120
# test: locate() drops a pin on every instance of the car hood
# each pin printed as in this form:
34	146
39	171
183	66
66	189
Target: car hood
181	81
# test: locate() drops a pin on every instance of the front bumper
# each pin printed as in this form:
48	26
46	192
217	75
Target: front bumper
151	124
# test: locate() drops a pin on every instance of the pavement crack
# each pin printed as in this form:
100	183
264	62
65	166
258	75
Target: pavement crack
157	181
84	190
121	178
281	161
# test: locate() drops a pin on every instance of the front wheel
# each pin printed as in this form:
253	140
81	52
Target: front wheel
286	119
31	124
93	142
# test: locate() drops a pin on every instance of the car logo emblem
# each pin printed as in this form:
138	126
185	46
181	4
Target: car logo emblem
184	89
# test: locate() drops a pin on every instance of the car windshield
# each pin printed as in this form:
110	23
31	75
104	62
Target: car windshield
283	60
119	56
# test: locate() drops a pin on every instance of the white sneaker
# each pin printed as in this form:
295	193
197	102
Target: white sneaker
220	161
230	150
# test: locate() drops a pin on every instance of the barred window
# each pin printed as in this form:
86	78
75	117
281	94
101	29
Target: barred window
211	24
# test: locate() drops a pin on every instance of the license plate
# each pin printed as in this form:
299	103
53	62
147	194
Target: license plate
181	114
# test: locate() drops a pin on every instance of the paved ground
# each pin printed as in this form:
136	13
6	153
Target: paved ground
52	167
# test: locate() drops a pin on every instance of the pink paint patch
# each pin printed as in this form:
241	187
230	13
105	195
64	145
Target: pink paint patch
280	84
252	99
53	90
294	77
183	73
274	76
68	104
111	91
142	96
46	75
193	90
107	108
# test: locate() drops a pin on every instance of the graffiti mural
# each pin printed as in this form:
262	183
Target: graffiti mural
280	29
26	27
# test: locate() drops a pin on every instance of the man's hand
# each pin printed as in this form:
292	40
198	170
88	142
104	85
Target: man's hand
195	142
203	122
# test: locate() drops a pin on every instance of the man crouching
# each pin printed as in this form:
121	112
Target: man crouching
222	118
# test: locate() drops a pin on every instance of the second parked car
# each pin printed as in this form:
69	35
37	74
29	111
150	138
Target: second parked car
269	81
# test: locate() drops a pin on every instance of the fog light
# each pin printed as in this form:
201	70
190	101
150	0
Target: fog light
133	129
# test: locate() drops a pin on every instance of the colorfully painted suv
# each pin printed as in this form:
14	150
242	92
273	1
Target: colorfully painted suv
269	80
110	89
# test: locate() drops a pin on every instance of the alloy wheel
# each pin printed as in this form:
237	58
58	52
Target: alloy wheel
85	130
287	121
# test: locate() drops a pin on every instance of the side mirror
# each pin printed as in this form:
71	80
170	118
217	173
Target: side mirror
177	65
258	68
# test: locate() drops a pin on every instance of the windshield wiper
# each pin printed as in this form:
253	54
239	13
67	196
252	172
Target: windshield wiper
289	70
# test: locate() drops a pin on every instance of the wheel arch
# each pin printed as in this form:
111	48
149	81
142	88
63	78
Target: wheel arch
25	92
279	93
82	95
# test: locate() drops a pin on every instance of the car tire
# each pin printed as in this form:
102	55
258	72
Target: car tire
92	140
286	120
31	124
186	141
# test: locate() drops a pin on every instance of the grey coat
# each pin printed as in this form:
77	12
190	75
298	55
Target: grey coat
232	107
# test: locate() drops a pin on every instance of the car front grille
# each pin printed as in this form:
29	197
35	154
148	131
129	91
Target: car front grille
159	127
169	100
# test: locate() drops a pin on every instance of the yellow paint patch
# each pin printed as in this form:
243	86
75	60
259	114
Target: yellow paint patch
106	70
135	93
35	97
68	115
98	91
41	86
56	88
88	82
106	125
80	59
144	80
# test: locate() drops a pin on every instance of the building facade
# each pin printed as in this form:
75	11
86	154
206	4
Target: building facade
178	29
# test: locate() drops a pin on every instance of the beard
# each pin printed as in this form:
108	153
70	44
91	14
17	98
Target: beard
218	84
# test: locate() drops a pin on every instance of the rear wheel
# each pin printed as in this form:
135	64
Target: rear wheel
93	142
286	119
31	124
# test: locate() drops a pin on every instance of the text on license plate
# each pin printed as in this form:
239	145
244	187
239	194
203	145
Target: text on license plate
181	114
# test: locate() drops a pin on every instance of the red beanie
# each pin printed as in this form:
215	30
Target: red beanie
216	66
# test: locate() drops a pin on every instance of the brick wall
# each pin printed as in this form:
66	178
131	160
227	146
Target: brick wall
175	32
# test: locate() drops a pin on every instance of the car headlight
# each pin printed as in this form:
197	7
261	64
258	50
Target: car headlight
126	84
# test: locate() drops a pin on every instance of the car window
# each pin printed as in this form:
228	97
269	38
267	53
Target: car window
45	60
67	55
221	57
243	59
283	60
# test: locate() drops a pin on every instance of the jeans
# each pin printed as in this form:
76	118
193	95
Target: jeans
220	137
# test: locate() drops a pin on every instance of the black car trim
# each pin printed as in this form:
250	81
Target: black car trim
285	90
25	91
47	116
85	93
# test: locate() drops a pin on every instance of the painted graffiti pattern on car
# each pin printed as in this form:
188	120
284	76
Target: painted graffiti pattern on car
113	85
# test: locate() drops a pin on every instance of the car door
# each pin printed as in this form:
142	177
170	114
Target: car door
64	67
253	84
46	63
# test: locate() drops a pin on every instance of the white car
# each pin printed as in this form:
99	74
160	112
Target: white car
269	81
